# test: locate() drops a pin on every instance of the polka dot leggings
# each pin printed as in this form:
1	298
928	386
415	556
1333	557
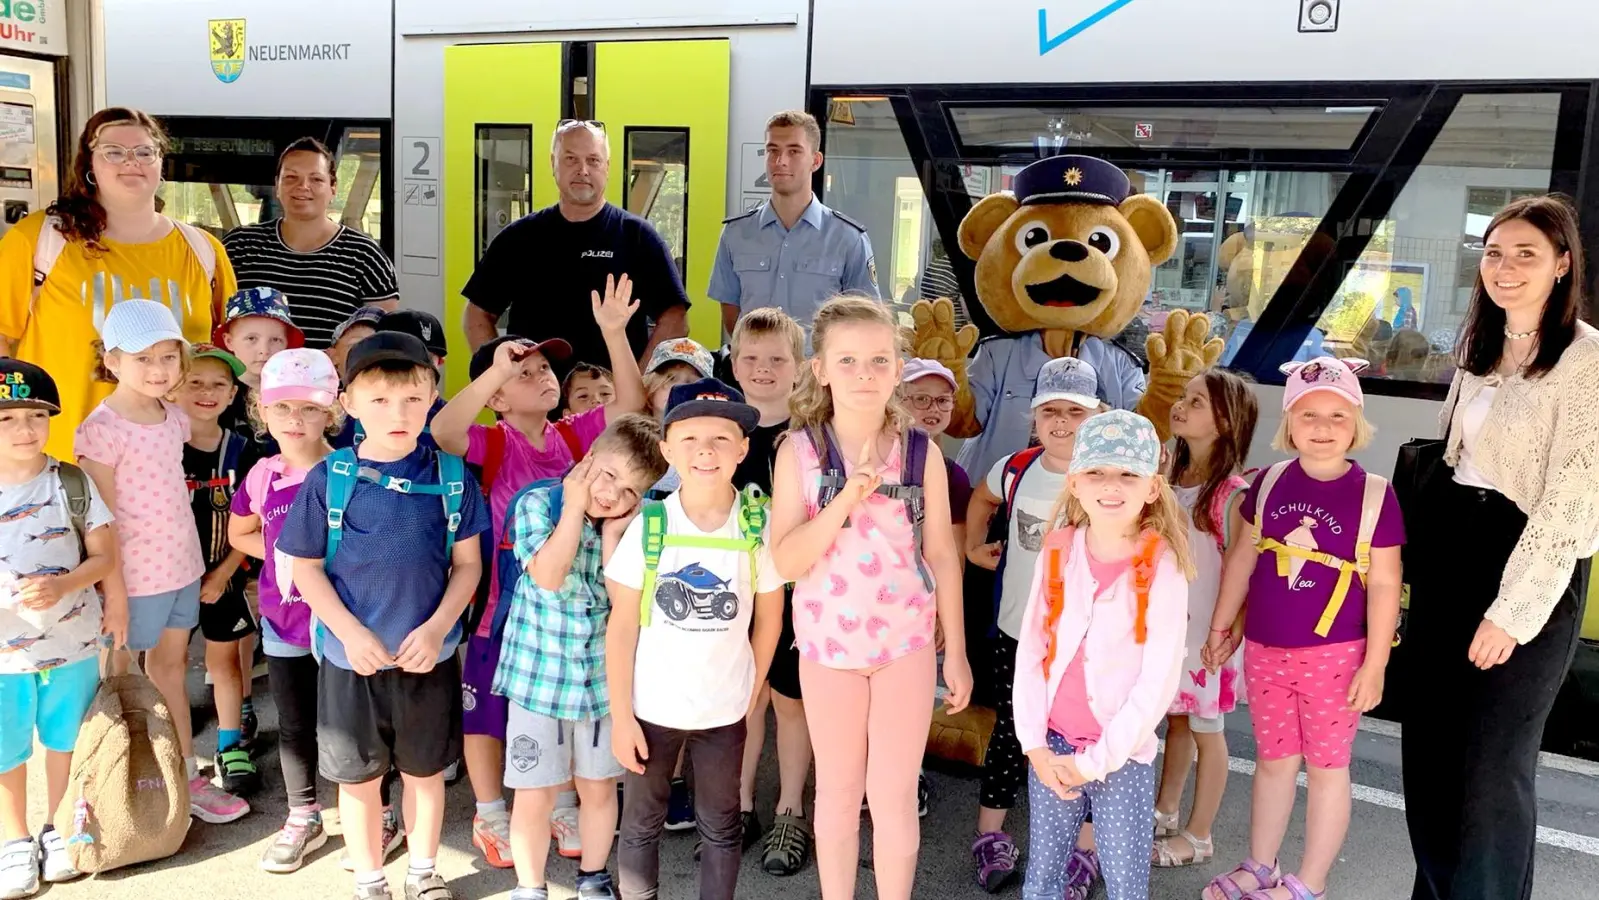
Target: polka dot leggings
1123	806
1004	766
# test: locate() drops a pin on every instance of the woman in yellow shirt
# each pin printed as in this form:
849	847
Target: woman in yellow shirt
111	245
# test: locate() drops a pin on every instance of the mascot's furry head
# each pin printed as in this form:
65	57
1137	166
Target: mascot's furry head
1071	249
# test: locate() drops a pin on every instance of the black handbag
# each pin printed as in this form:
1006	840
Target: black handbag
1418	469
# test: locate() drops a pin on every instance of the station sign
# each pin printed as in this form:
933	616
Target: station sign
37	26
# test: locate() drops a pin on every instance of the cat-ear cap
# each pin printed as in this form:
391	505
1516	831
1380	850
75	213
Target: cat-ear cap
1324	373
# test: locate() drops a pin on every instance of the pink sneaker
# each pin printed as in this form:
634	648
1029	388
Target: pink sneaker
212	805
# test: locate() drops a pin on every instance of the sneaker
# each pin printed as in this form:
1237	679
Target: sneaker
596	887
57	863
538	893
788	846
240	777
680	807
379	891
212	805
563	828
431	886
995	856
393	837
923	793
299	838
19	869
491	835
452	773
752	828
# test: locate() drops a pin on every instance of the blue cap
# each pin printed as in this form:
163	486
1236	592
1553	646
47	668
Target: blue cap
1117	440
1072	179
709	397
363	315
266	302
1067	378
135	325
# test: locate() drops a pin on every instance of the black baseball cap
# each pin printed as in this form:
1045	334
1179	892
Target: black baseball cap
420	325
26	386
483	360
709	397
386	346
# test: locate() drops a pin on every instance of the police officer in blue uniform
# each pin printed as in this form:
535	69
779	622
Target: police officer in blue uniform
791	252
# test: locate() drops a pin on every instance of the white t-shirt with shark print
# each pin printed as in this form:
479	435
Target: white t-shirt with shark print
1036	497
36	538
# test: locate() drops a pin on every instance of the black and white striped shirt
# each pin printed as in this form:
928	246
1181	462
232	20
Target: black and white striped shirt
324	286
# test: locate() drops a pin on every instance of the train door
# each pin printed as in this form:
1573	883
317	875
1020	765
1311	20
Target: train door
29	167
664	106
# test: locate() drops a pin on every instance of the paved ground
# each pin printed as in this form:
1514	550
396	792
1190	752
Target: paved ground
218	862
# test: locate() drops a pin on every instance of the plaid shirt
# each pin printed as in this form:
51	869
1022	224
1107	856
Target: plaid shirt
552	656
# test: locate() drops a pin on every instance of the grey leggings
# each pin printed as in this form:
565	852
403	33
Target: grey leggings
1124	810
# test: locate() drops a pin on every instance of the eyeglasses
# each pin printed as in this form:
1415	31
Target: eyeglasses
925	402
284	411
116	154
569	124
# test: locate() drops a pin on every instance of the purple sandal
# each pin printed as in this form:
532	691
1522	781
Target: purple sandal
1082	870
1266	877
1296	891
995	856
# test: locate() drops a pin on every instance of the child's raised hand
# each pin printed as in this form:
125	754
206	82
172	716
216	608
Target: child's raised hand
508	358
628	744
613	312
986	555
864	481
1365	689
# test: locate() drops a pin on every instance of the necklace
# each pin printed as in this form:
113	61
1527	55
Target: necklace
1520	335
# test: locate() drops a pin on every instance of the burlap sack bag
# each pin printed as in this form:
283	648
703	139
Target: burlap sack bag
127	799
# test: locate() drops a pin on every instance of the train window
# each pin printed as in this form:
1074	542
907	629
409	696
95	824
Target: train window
503	171
657	184
1404	299
1048	130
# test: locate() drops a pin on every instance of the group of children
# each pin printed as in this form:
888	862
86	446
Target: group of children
638	563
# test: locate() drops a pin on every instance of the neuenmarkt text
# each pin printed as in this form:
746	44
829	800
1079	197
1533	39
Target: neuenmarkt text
292	52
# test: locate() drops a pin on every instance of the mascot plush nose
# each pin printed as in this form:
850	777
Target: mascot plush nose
1068	251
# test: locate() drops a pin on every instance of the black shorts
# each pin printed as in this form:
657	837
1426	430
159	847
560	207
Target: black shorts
784	673
228	619
366	723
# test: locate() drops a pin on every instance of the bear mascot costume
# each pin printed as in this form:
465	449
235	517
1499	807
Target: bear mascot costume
1063	265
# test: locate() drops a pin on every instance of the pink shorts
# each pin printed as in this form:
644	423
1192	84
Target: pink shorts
1299	701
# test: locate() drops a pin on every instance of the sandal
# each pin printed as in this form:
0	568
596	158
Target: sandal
1166	854
1082	870
1166	824
1226	887
1296	891
788	846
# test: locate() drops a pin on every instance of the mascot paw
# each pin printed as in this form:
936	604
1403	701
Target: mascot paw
1182	349
936	338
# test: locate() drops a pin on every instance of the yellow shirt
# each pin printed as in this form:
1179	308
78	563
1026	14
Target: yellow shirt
58	332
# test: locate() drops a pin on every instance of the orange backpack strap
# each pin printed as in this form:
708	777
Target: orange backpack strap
1057	552
1143	577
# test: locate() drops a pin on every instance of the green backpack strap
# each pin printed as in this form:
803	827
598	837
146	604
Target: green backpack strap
75	484
752	510
654	517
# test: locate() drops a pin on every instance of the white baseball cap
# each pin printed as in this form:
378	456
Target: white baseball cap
1070	379
135	325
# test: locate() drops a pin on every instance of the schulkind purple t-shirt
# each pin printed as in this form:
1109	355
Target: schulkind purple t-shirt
522	465
1318	515
268	491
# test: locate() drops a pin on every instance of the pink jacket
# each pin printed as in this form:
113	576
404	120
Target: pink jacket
1130	685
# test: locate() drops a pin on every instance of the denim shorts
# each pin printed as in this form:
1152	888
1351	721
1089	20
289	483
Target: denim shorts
52	702
150	615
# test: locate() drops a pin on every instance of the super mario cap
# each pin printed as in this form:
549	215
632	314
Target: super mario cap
709	397
266	302
1070	379
136	325
483	359
423	326
1117	440
683	350
26	386
299	374
1072	179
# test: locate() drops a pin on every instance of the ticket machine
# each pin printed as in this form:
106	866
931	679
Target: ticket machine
29	174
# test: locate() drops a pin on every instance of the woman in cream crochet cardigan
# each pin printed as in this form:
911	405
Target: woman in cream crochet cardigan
1500	567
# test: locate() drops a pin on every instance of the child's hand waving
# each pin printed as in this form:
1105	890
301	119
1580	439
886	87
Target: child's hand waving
613	311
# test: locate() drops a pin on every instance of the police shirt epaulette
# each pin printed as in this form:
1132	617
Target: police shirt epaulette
848	221
743	215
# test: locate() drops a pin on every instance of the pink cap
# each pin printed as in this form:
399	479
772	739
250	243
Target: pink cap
299	374
928	368
1324	373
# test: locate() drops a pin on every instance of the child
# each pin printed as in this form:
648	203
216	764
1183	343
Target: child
514	378
296	405
682	661
388	588
552	666
864	607
766	350
215	460
1318	522
674	362
132	446
359	326
1100	652
1213	425
256	324
427	329
50	624
586	387
1027	484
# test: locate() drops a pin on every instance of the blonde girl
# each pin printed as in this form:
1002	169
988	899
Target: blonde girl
866	596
